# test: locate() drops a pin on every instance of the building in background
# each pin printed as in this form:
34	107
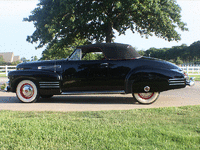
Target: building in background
9	57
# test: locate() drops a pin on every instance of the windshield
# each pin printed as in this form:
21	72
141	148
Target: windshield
77	55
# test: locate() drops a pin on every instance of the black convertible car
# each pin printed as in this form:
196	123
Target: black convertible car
97	68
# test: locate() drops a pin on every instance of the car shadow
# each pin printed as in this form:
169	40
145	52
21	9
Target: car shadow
77	99
83	99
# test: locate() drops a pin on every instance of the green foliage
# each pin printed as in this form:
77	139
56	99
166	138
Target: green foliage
23	59
3	86
179	61
1	58
141	52
34	58
59	51
2	62
93	56
16	63
54	52
65	21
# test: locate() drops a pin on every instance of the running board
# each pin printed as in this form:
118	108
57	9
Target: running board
93	92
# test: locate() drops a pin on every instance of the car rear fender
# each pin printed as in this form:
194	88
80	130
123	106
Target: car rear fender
155	78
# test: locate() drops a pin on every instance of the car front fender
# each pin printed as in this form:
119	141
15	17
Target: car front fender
35	75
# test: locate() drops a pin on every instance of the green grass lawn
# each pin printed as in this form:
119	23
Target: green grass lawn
2	75
157	128
197	77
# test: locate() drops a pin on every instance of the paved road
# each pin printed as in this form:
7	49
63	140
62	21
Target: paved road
180	97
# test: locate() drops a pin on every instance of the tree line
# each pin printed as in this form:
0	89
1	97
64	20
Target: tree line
176	54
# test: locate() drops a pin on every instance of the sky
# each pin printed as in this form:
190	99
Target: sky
13	31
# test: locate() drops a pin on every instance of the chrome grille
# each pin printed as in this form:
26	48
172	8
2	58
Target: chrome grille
46	85
177	81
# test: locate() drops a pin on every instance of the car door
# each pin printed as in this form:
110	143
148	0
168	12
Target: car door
85	75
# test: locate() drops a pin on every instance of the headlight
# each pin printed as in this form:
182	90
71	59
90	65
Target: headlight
20	68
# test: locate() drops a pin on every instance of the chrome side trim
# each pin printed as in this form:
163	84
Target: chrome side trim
178	84
177	81
49	82
93	92
47	85
49	67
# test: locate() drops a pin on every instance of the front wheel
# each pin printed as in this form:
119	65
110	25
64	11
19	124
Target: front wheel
27	91
146	98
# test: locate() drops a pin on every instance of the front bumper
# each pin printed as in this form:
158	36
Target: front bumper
7	88
190	82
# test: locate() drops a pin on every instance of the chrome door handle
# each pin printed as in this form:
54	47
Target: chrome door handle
104	64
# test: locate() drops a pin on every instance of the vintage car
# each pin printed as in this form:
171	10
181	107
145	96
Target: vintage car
97	69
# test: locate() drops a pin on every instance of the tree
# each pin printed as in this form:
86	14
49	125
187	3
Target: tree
58	51
23	59
2	62
16	62
34	58
64	21
194	50
178	61
55	52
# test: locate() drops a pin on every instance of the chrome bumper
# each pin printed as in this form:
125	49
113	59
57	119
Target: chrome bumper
7	88
190	82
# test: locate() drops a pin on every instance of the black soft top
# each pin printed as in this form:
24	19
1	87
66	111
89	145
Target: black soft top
112	51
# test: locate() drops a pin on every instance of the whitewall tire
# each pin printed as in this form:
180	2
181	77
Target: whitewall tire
146	98
27	91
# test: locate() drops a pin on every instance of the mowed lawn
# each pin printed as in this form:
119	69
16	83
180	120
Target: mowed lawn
197	77
156	128
2	75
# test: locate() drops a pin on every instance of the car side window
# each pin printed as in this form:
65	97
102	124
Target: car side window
93	56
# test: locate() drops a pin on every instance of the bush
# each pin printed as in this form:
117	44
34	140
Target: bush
3	86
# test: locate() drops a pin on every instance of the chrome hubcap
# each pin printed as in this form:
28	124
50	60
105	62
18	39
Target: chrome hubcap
146	95
27	91
146	88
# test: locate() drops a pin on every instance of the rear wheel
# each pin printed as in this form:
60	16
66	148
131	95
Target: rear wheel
146	98
27	91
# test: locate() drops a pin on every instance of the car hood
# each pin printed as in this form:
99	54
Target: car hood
35	64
